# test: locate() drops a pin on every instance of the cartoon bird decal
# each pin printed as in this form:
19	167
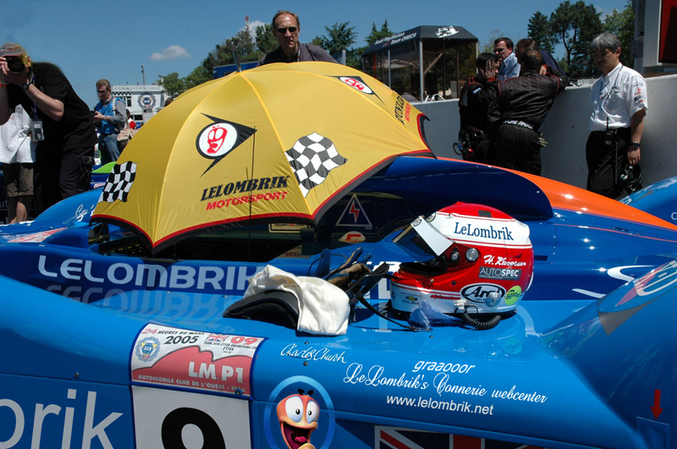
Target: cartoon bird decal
298	415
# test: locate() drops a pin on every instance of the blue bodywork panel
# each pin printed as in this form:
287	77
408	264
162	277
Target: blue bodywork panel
106	347
656	199
534	379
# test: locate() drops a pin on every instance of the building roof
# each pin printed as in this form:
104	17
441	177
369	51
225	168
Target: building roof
447	32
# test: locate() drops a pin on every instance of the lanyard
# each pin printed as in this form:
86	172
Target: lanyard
610	88
34	108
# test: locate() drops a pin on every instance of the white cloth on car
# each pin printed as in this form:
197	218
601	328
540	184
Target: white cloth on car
16	145
323	307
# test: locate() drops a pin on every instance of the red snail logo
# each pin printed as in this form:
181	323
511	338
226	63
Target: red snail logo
216	140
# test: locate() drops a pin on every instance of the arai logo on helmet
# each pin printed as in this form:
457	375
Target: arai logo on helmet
216	140
488	294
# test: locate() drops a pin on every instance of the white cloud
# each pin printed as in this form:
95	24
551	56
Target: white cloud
171	52
252	27
255	23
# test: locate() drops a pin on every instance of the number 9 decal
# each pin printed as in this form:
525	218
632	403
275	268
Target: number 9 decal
174	423
174	419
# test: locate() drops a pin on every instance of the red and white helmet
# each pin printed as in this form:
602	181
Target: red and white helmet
474	259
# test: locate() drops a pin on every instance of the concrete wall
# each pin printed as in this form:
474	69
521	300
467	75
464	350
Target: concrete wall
566	130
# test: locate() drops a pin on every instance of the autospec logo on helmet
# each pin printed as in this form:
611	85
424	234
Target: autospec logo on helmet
499	273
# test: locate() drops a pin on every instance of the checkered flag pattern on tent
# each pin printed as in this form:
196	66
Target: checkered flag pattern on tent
119	182
312	158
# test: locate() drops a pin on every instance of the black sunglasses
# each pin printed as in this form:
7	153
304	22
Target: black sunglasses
101	91
284	30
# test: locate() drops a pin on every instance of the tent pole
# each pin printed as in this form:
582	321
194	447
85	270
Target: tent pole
420	67
390	77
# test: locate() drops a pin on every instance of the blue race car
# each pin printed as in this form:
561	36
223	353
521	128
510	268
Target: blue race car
106	345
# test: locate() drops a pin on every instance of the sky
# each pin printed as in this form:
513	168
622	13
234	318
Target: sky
93	39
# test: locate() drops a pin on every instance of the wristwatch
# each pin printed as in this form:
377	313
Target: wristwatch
634	144
27	85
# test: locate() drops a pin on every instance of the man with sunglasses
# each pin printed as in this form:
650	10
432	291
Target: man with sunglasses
509	68
286	27
62	124
110	116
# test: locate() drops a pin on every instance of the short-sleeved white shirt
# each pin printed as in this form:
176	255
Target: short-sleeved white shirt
15	139
617	97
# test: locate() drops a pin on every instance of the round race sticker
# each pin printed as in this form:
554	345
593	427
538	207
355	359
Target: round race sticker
513	295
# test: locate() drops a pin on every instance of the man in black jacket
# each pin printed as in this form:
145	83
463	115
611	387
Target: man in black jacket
473	104
286	27
522	105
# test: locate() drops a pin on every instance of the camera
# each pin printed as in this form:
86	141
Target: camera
37	133
15	64
630	178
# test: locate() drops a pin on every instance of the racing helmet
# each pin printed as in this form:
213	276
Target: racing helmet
475	259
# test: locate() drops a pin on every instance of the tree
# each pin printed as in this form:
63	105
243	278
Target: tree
172	84
574	26
540	32
622	24
375	34
354	54
317	40
199	75
244	46
339	37
488	45
265	41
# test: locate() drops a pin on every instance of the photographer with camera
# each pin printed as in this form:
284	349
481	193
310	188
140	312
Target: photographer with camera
62	124
619	105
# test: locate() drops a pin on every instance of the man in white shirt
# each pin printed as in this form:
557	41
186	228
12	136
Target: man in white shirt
509	68
619	105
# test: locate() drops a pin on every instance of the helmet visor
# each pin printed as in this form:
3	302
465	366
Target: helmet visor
423	240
